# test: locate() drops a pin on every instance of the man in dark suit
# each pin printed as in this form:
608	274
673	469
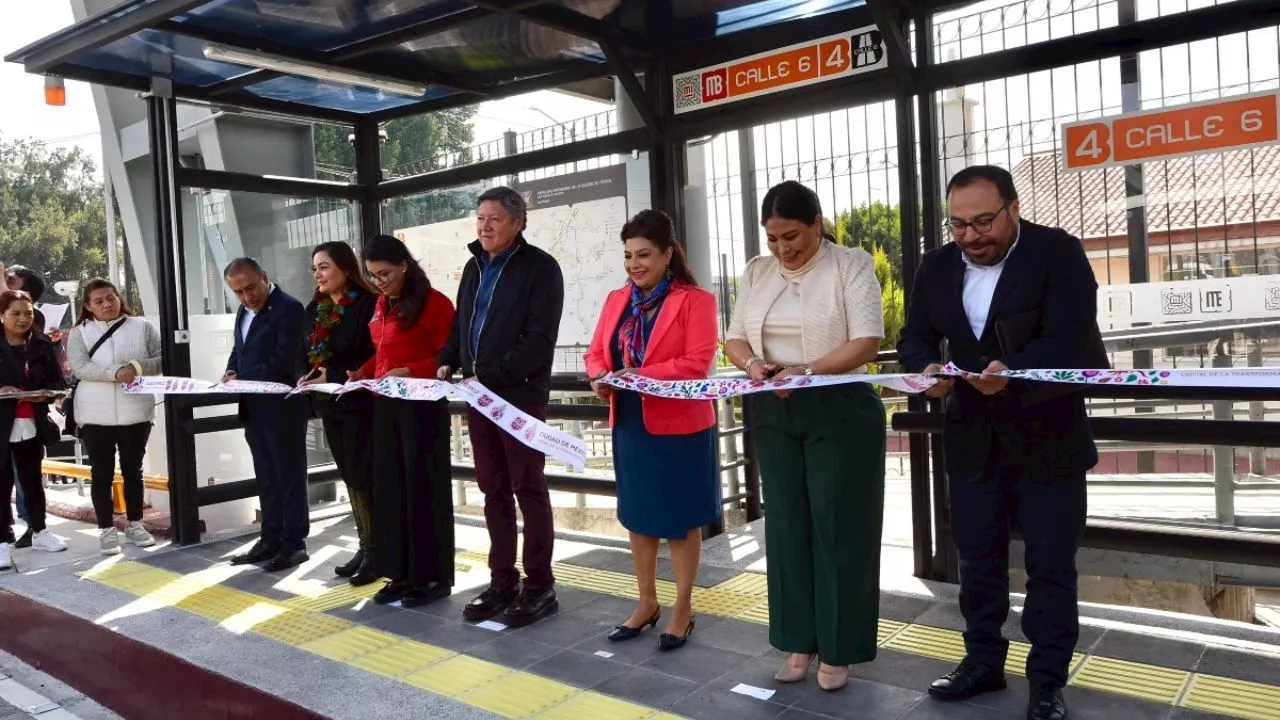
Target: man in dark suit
268	337
1009	294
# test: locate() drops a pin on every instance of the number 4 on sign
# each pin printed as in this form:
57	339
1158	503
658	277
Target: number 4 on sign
1088	145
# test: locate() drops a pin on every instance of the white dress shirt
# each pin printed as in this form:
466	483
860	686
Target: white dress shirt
980	287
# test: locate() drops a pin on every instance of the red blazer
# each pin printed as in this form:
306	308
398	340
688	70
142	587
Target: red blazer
682	346
415	348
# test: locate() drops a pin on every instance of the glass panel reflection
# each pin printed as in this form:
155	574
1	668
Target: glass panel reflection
154	53
499	44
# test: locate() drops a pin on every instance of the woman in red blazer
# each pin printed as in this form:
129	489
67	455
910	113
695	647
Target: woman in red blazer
663	326
412	517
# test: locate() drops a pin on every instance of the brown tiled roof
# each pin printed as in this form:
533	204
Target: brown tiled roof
1193	191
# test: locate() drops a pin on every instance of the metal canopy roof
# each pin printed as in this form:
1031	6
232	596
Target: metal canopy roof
418	55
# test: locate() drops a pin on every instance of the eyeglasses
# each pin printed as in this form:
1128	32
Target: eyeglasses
381	277
980	224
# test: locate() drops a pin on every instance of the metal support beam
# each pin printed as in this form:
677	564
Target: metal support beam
175	346
621	142
247	182
635	91
889	19
368	146
98	30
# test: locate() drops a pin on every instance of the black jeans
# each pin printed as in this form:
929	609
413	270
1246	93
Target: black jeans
22	459
102	442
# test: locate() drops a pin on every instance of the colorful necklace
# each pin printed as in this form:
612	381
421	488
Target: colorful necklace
328	316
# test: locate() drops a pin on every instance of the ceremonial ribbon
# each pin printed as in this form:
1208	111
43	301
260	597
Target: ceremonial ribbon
524	427
541	436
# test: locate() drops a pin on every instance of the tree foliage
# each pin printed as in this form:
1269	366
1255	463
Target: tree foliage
877	228
414	139
52	218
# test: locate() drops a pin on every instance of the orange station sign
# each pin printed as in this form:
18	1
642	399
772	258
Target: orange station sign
1229	124
852	53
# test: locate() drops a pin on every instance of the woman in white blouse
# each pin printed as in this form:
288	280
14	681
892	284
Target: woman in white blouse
110	419
812	307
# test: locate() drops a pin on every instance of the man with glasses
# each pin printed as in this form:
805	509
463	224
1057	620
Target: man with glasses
1009	294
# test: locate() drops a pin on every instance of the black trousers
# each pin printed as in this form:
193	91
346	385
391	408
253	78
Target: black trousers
348	428
23	460
412	503
103	441
276	431
1050	512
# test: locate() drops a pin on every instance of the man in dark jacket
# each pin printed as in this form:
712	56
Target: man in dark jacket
1009	294
504	334
268	338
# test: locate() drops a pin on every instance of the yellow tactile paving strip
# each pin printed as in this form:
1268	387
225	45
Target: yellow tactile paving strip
302	622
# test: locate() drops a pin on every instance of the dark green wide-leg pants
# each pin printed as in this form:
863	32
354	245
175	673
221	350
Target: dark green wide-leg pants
821	453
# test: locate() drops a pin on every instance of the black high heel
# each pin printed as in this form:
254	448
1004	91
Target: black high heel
622	632
667	641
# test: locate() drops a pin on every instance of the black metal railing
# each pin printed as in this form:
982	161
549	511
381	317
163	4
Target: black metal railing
1147	537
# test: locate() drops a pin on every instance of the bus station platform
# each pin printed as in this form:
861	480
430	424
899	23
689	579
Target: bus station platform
179	632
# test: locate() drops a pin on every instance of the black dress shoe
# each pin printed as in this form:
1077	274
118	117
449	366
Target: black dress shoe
24	541
394	590
350	567
667	641
366	574
530	606
285	560
623	632
258	553
968	680
1047	703
419	596
488	604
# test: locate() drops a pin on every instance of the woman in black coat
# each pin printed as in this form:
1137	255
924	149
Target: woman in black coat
27	362
337	340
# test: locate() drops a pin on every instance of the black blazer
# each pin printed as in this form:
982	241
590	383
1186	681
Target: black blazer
351	346
46	374
1047	290
270	352
518	341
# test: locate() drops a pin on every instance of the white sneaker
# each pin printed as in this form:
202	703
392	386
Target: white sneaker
6	556
47	541
109	541
138	535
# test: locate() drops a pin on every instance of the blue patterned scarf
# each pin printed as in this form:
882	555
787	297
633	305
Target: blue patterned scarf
631	332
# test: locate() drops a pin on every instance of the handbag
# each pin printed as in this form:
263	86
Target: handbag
69	402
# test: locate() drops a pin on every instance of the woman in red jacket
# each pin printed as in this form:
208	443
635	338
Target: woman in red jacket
412	503
663	326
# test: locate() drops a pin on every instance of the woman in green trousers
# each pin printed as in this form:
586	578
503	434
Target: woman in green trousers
813	307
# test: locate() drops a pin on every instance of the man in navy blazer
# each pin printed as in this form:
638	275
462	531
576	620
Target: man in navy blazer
268	337
1009	294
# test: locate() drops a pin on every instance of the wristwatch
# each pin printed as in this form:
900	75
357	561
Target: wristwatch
808	369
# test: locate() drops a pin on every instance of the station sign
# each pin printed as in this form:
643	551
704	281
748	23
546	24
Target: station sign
1232	123
829	58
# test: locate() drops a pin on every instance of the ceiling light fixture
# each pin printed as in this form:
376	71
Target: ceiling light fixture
288	66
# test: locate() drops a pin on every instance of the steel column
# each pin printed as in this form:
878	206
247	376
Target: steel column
174	336
368	146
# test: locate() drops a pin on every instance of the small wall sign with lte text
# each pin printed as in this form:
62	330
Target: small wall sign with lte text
1232	123
851	53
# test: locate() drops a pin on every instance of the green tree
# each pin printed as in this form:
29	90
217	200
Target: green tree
414	139
877	228
52	218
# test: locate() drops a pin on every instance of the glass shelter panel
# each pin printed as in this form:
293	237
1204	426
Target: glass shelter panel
1185	249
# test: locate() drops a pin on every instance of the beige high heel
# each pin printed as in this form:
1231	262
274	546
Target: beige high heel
832	680
789	673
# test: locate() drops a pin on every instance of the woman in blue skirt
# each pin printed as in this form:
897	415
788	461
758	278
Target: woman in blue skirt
663	326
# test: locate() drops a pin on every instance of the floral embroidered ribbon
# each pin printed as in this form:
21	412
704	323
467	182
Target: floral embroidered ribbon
520	425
